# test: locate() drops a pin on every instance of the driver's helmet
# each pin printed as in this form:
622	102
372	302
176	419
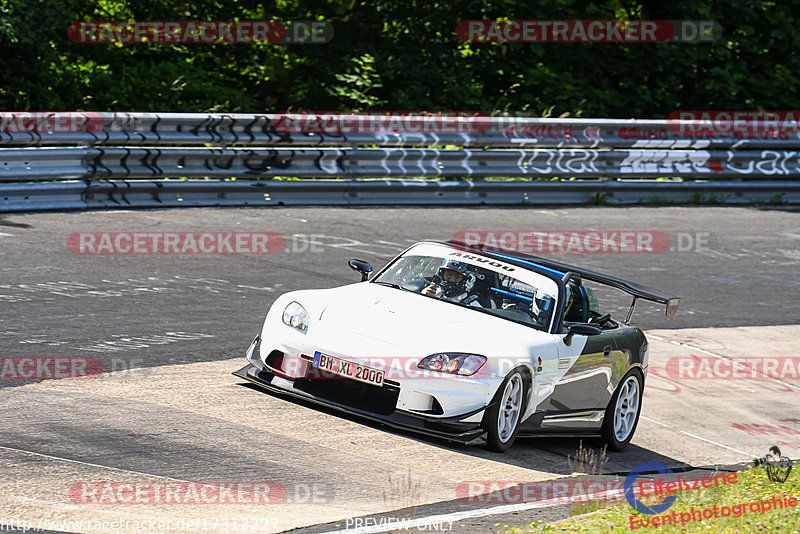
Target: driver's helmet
541	301
455	285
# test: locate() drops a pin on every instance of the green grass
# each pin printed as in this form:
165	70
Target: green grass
776	200
599	199
752	486
705	197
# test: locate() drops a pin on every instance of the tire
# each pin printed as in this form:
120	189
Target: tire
502	419
622	413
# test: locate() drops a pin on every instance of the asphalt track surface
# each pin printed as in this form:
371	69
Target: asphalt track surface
184	321
56	302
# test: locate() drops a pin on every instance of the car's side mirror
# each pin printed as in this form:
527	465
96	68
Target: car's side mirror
361	266
582	329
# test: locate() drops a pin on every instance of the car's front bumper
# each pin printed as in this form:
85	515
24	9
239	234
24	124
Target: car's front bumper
368	401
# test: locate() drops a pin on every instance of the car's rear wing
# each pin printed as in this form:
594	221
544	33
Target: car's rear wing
637	291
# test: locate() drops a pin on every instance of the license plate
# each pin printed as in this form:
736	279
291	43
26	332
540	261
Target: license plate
339	367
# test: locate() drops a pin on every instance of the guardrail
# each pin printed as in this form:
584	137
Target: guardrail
338	129
76	195
95	147
196	162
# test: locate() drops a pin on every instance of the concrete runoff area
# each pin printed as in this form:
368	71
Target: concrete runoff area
198	423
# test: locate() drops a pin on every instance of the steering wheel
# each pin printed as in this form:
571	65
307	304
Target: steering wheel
602	319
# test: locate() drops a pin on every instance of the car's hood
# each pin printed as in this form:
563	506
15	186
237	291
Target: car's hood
415	324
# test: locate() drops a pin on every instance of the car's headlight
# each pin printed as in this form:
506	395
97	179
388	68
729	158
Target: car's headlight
456	363
296	316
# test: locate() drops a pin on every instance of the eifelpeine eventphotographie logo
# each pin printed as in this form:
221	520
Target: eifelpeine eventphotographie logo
630	493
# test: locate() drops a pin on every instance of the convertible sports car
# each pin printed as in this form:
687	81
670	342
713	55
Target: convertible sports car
464	345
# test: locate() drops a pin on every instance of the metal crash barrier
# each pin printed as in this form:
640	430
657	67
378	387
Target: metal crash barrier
93	160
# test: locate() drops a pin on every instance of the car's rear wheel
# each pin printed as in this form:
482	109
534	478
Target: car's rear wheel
622	413
502	419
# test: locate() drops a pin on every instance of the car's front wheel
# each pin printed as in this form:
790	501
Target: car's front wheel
502	419
622	413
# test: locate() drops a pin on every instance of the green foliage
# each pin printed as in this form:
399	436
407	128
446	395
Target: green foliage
706	197
357	85
400	55
598	199
777	200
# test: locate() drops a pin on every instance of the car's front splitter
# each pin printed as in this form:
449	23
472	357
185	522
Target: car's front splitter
450	428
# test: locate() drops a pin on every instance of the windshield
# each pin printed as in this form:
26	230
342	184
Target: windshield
475	281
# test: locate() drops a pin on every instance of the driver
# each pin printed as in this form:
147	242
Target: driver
453	282
573	307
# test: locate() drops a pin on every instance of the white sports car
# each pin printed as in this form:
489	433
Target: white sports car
462	344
